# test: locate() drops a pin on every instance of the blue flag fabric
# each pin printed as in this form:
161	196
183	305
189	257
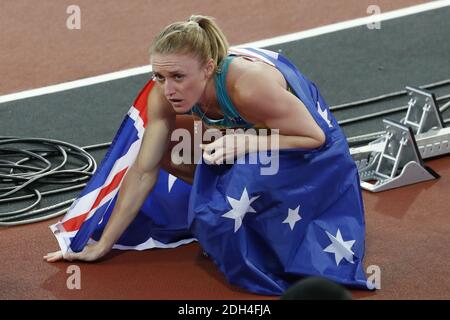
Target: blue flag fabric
264	232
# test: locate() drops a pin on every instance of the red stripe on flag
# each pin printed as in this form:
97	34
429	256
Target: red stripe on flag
76	222
141	101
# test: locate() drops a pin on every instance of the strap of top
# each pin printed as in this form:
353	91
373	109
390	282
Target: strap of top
223	98
231	116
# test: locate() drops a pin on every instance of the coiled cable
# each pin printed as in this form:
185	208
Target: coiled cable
24	172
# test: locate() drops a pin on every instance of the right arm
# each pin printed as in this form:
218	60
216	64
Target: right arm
138	181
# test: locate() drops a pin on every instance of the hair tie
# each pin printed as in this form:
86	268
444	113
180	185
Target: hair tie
194	22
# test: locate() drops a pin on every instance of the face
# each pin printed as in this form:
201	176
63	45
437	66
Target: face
182	78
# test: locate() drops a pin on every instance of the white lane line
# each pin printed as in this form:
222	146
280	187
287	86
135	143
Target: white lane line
260	44
75	84
350	24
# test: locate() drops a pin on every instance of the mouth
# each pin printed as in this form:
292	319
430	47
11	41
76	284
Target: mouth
175	101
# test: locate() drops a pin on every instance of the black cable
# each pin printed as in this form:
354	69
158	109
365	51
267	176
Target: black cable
25	171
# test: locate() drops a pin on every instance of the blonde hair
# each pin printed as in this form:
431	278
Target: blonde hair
199	36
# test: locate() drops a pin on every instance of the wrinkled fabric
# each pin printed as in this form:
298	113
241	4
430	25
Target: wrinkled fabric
264	232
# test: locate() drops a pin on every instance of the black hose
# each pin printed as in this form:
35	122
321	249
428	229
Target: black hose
30	165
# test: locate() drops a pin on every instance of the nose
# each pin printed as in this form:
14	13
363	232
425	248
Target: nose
169	89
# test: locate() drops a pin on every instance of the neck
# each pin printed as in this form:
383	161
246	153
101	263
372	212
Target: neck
208	95
208	100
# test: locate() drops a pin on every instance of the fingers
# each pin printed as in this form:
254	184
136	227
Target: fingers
211	147
49	256
219	152
213	153
218	157
70	256
214	158
207	157
58	255
53	256
208	148
89	253
208	152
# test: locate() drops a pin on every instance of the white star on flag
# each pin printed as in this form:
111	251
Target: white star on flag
324	114
293	217
171	181
240	208
340	248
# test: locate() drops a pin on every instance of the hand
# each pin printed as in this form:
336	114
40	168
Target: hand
90	252
227	148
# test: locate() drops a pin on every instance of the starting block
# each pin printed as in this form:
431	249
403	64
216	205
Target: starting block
396	159
424	117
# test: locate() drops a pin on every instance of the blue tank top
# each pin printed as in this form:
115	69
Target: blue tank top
231	118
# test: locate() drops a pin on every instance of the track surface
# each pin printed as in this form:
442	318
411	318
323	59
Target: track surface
408	229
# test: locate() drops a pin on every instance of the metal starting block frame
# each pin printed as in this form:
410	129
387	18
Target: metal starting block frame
396	159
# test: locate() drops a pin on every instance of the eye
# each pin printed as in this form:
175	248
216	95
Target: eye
179	77
158	77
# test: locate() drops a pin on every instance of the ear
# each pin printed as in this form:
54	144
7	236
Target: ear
209	67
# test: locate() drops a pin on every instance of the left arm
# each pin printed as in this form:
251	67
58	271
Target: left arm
261	99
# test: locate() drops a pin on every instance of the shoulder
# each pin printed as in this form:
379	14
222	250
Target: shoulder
246	73
257	86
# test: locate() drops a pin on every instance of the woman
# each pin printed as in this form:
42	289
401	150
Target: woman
197	77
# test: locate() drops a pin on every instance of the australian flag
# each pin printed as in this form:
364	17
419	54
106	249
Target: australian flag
264	232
